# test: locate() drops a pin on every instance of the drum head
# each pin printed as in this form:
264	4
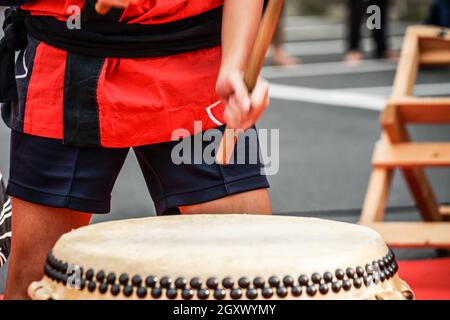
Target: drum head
221	257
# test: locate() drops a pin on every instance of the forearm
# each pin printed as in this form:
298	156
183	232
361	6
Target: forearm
240	25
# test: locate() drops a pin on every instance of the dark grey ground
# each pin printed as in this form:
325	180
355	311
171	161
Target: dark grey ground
325	151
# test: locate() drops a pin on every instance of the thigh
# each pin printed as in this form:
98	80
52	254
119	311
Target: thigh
35	230
251	202
36	227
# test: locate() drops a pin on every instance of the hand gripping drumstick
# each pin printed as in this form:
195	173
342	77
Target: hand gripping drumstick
256	60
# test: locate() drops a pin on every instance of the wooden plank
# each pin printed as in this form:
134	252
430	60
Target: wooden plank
407	155
418	110
408	65
434	43
435	58
376	196
432	32
434	50
434	47
445	210
419	101
414	234
445	213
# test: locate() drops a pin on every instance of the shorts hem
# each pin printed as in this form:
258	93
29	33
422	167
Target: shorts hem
212	193
55	200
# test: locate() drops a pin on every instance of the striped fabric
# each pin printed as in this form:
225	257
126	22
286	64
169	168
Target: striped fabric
5	223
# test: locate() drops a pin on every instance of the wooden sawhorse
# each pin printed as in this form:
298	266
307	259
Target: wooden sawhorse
395	150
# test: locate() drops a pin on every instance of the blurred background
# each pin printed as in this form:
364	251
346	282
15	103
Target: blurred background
408	10
327	92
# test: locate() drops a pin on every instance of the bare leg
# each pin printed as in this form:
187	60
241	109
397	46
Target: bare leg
35	229
353	58
252	202
279	55
354	55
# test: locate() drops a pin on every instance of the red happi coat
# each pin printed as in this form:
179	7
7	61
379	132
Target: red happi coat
140	101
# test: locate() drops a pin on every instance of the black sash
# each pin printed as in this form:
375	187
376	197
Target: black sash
109	38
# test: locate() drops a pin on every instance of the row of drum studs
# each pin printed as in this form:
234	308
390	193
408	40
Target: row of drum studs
380	270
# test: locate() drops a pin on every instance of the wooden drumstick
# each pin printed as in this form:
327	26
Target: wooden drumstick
102	8
255	63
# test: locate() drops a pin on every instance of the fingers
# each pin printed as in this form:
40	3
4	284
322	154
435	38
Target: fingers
260	93
260	101
236	98
103	6
240	91
234	113
242	110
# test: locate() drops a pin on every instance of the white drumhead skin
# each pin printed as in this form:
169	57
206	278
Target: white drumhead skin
219	246
223	246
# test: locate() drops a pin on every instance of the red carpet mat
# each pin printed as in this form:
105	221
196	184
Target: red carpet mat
429	279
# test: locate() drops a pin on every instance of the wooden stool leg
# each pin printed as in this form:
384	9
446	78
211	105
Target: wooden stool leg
423	194
377	195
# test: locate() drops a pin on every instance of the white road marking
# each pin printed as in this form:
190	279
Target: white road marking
370	98
327	68
328	97
424	89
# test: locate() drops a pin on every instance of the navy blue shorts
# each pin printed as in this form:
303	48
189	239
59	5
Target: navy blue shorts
45	171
